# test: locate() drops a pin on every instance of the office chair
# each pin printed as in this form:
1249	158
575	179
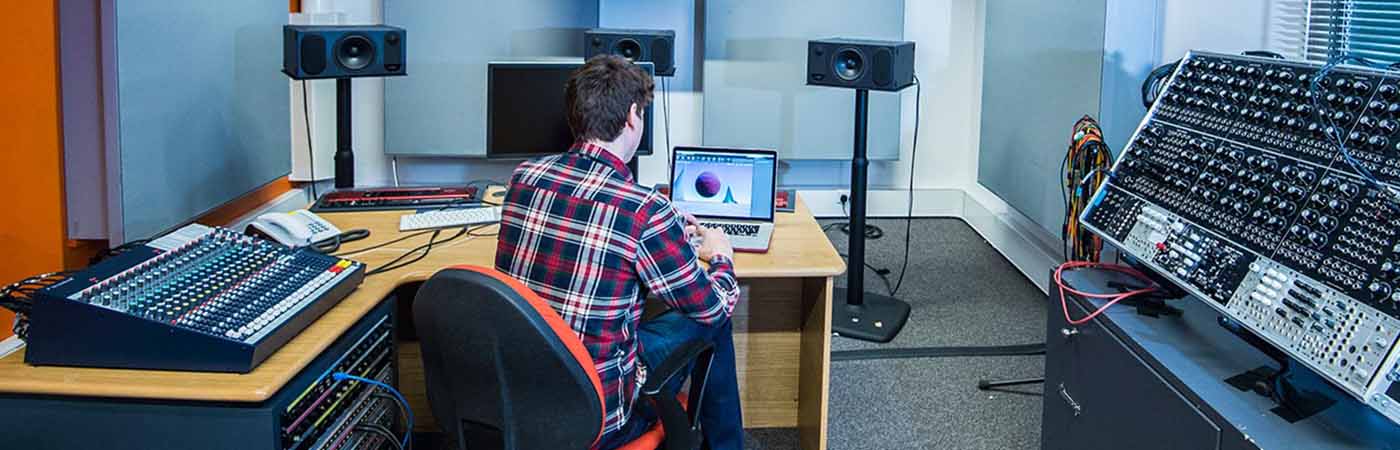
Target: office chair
505	372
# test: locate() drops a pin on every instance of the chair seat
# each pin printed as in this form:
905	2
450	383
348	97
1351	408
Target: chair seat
652	439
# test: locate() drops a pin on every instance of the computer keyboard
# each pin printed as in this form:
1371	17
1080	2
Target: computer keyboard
449	218
733	229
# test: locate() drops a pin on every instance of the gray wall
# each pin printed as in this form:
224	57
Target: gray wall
439	109
201	108
755	77
1041	67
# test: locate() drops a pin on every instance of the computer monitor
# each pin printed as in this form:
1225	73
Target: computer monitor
725	183
525	109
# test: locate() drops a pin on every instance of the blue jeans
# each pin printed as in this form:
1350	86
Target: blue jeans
720	417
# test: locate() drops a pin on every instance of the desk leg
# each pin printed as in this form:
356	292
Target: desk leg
815	376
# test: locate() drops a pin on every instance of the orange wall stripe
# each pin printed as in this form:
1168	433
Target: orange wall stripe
228	212
32	236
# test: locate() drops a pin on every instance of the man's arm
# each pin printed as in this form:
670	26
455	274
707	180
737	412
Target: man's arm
672	271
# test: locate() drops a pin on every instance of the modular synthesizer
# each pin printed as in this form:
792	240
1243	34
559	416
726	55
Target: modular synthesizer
1232	188
198	299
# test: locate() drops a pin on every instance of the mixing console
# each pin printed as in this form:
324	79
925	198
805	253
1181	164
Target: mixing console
1232	188
201	298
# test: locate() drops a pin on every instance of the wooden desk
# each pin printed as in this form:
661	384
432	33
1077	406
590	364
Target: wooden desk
782	331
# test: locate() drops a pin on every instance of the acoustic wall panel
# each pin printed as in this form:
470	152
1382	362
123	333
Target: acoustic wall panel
755	83
200	108
439	109
1041	67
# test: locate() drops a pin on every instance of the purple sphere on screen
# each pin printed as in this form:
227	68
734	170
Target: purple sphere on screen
707	184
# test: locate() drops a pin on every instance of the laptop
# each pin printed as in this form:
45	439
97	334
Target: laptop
730	189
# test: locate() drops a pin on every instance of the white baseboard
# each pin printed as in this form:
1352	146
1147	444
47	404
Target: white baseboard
1029	248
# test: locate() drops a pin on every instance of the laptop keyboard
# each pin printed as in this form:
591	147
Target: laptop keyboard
734	229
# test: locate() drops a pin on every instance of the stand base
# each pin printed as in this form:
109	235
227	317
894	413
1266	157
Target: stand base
1291	403
879	319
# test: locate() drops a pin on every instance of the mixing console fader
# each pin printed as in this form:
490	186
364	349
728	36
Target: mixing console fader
201	299
1232	188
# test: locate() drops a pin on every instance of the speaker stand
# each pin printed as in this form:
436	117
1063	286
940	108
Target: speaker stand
344	156
866	316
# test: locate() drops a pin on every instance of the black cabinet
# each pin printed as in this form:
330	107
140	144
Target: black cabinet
1131	381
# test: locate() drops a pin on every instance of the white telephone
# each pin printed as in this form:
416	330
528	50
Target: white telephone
298	228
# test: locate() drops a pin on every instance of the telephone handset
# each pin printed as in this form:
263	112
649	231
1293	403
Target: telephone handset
298	228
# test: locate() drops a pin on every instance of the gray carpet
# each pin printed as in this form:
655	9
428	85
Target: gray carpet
963	292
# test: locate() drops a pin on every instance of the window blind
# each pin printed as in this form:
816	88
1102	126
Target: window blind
1366	28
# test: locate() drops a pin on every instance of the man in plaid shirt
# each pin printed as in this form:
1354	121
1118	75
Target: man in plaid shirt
578	230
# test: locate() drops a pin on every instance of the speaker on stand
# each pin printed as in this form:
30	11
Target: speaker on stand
342	52
863	65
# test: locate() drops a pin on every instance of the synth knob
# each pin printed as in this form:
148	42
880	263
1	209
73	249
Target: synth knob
1309	216
1348	190
1366	122
1389	126
1307	176
1393	108
1351	102
1376	106
1235	155
1250	194
1327	223
1268	165
1390	268
1303	108
1378	141
1317	239
1295	192
1285	75
1389	91
1340	83
1379	289
1336	206
1240	207
1283	206
1333	97
1360	86
1274	222
1329	182
1298	230
1341	116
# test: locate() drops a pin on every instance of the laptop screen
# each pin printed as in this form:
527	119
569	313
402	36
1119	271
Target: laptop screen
734	184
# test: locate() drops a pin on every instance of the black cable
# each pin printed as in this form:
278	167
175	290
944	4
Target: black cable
310	151
884	274
872	232
666	110
381	432
426	248
399	263
332	244
1151	86
383	244
913	156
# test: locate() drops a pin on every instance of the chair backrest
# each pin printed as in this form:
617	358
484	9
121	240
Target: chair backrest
503	370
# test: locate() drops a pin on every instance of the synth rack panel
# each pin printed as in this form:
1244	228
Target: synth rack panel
1231	188
198	299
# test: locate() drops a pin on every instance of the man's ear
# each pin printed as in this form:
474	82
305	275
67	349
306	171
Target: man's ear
634	118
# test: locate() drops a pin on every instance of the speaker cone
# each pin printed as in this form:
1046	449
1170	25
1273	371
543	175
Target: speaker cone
354	52
848	64
628	48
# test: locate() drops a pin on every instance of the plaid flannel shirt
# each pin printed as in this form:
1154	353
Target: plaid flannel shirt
579	231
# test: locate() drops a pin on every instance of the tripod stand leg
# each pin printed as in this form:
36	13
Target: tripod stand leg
993	384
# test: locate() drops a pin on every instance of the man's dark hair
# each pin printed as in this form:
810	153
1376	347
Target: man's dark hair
600	94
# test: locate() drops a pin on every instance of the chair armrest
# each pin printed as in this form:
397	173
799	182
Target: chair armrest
675	363
682	426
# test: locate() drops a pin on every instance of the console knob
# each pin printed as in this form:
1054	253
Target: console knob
1337	206
1389	126
1240	207
1295	192
1309	216
1378	141
1307	176
1298	230
1360	86
1250	194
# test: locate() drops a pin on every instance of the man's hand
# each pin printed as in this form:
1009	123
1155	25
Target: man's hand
712	241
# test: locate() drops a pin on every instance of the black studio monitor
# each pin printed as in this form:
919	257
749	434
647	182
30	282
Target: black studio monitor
654	46
343	51
860	64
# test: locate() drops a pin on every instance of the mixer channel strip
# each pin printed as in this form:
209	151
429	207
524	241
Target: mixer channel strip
199	299
1232	190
